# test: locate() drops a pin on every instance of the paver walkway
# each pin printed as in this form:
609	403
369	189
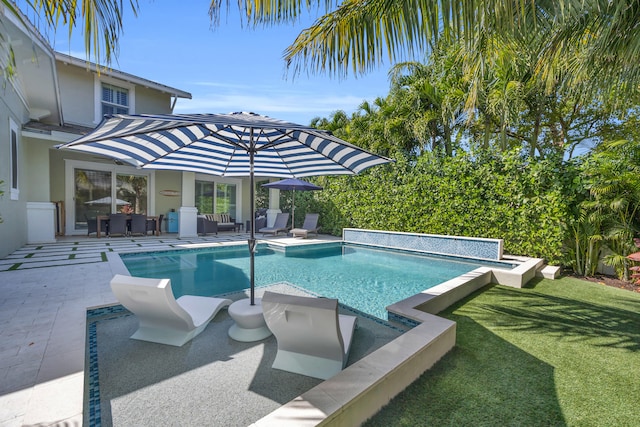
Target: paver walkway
75	251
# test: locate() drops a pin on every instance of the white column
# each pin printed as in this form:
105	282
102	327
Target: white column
274	206
41	219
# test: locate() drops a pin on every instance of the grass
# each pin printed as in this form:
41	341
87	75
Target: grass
557	353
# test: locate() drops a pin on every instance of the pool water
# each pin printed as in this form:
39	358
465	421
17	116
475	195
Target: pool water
363	278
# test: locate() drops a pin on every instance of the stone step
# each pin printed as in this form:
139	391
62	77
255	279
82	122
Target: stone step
549	272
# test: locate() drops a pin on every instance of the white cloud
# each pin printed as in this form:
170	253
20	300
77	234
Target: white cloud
288	104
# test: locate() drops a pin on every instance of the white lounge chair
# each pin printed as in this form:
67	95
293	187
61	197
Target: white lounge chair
313	339
164	319
279	225
310	225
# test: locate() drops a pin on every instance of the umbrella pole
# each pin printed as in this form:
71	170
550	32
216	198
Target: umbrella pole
252	238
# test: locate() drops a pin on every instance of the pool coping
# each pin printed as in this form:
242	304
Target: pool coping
363	388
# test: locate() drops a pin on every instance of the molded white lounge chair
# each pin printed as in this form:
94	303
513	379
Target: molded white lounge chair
313	339
310	225
164	319
279	225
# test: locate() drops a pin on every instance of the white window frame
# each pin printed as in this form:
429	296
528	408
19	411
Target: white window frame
98	81
69	190
14	160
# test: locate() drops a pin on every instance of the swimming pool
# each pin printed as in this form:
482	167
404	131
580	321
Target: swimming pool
364	278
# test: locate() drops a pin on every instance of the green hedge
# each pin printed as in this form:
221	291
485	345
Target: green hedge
528	204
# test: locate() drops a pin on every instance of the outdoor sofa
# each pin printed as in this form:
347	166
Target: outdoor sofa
212	223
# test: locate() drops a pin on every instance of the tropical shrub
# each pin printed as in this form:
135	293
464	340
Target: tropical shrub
612	176
494	195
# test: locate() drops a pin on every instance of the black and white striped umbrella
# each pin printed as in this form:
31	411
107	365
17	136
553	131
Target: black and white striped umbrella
236	144
223	144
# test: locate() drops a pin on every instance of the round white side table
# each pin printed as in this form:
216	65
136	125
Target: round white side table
249	321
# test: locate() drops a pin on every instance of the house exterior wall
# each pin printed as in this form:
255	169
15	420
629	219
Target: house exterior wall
150	101
37	180
13	229
168	180
49	102
76	94
80	95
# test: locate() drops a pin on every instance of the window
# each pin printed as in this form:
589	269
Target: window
226	199
13	140
115	100
216	197
112	96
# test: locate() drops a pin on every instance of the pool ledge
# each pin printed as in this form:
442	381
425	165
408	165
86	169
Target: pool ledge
362	389
439	297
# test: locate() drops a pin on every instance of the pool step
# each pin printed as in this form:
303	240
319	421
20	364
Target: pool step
551	272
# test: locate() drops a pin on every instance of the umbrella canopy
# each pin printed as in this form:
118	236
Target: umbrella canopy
235	144
106	201
293	184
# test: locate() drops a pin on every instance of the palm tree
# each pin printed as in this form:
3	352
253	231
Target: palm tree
357	35
612	175
100	20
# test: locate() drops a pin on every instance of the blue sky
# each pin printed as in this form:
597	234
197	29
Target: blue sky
227	68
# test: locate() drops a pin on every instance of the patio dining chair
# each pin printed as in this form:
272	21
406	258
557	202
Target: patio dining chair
117	225
155	224
92	225
138	224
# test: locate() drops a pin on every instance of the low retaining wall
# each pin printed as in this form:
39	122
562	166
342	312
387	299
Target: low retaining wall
471	247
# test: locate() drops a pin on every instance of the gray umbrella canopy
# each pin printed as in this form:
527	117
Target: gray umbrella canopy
293	184
235	144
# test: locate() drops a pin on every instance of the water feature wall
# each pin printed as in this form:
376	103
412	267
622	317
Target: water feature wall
470	247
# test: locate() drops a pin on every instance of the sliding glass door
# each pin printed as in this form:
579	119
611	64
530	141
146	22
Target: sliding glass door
92	195
102	190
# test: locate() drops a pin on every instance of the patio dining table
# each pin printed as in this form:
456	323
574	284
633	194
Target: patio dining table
101	218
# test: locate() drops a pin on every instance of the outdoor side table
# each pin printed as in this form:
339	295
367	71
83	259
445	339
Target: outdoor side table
249	321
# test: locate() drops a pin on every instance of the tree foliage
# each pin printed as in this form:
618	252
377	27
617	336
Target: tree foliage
500	195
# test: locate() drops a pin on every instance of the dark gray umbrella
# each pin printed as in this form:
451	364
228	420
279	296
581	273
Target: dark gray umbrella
293	184
235	144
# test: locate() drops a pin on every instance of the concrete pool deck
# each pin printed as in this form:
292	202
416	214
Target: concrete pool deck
45	291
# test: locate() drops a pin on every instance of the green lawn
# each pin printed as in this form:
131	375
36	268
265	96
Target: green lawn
559	352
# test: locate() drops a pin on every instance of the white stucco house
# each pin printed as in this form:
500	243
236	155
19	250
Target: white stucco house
53	98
